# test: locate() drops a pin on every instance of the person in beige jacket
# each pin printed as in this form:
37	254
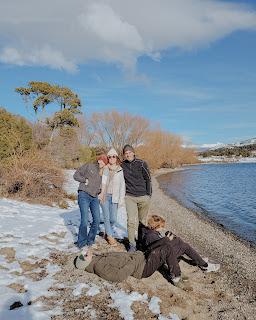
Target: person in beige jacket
112	194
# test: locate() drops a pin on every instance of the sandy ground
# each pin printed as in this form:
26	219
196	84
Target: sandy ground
227	294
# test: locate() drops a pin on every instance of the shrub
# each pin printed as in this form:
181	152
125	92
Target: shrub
85	154
71	196
163	149
63	204
16	134
41	135
32	176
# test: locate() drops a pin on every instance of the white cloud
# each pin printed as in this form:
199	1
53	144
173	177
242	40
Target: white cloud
44	56
109	28
64	33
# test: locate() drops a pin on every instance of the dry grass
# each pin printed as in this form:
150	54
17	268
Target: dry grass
32	177
71	196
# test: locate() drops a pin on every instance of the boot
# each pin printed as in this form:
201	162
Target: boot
112	241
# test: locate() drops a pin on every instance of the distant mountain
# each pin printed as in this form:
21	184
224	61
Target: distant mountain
245	148
245	142
219	145
210	146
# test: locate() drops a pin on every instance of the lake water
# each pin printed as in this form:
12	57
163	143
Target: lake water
226	193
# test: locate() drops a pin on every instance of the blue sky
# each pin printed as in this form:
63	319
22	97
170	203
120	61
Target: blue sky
198	82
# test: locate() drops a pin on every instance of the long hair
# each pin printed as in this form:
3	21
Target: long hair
156	222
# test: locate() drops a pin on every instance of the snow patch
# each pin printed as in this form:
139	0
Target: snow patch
154	305
123	301
93	289
79	288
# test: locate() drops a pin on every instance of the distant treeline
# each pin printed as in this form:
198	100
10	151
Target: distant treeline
244	151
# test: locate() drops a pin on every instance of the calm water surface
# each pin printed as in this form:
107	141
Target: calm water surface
224	192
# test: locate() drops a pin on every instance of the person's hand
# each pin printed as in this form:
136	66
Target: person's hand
101	197
169	235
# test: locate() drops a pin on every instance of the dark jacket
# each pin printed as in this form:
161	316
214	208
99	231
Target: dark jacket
137	178
89	177
147	236
151	239
117	266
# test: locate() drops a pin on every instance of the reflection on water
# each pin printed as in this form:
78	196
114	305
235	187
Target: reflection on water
224	192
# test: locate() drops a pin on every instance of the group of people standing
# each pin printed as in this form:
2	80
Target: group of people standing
111	184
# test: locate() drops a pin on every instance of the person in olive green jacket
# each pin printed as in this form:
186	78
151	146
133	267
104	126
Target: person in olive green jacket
112	266
118	266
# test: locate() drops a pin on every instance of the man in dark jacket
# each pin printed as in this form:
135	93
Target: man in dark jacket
89	187
138	192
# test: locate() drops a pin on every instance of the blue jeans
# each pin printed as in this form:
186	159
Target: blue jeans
109	210
86	201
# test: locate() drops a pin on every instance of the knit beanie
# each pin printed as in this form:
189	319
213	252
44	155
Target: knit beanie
103	157
80	262
128	147
112	152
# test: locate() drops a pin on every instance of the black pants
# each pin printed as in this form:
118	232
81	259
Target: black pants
168	251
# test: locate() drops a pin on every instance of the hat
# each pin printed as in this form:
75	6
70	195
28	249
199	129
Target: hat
128	147
80	262
103	157
112	152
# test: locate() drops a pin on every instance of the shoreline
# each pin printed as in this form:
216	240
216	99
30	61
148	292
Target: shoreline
236	256
202	216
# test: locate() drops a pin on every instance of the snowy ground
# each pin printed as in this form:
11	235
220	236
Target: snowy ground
29	236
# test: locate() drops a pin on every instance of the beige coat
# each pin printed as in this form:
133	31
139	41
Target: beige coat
118	185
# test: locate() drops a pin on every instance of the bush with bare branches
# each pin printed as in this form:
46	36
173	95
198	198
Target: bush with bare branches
163	149
32	176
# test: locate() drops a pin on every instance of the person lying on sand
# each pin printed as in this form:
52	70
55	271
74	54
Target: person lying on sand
118	266
154	235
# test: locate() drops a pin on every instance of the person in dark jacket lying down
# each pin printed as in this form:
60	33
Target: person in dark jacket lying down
153	234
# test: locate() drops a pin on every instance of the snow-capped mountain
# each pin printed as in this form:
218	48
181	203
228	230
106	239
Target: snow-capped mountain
230	145
245	142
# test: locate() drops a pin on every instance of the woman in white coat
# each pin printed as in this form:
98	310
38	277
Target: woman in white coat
112	193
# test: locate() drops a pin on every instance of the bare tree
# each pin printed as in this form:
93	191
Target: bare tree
117	129
85	131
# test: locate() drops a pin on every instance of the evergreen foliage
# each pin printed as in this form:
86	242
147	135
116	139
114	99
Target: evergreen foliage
16	134
43	93
64	118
